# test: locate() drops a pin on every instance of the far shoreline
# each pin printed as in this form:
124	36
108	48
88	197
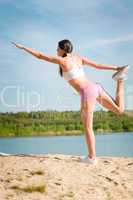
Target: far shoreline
67	133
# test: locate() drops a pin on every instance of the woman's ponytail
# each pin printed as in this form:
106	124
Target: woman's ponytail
67	46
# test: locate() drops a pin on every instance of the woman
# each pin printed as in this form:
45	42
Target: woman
71	68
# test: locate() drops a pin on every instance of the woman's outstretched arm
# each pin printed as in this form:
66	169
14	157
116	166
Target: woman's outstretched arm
39	55
87	61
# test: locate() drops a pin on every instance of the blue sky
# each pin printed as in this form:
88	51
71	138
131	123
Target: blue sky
99	29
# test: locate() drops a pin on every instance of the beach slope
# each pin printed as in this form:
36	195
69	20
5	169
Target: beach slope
64	177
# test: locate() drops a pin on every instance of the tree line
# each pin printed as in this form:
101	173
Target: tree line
52	122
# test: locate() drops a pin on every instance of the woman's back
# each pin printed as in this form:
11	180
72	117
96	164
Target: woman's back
73	71
72	61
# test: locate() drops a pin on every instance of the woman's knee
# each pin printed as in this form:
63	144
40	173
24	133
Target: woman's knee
87	119
120	111
89	129
85	113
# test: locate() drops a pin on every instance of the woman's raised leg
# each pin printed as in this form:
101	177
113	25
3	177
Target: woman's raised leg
115	105
120	94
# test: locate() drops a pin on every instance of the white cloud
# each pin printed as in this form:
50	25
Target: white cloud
109	41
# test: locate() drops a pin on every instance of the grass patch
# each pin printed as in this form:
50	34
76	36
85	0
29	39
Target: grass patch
68	194
37	172
109	196
30	188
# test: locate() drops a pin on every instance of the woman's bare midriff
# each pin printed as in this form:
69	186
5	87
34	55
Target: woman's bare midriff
78	83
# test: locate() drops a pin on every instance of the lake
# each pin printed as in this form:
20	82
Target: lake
119	144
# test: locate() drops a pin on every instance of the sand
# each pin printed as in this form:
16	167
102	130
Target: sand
64	177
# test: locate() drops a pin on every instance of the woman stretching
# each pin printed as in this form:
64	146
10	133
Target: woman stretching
71	68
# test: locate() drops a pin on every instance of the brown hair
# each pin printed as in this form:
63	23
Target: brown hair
67	46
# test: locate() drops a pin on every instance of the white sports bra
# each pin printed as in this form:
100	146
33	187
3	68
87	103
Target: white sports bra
73	73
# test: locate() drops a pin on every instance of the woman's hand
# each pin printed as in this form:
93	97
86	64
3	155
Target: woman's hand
18	45
118	68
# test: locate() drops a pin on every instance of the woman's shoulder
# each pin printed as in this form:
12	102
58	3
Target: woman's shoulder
73	57
77	55
78	58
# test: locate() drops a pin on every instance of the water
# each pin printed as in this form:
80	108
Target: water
106	145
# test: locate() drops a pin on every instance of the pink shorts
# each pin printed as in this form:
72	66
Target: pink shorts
90	91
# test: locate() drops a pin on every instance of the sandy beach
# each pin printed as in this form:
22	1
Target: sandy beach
64	177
